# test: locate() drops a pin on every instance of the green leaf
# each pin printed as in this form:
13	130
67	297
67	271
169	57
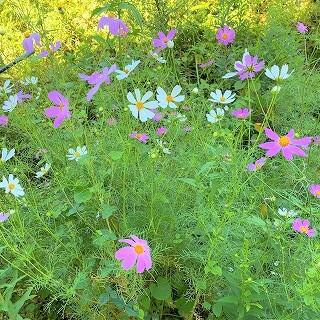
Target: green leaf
161	290
116	155
184	306
189	181
100	10
107	211
213	268
133	11
144	302
239	85
82	196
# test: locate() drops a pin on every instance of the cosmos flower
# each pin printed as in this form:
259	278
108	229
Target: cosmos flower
116	26
30	42
225	98
127	70
10	104
287	144
278	74
241	113
140	107
4	120
247	68
60	111
164	41
11	185
225	35
142	137
5	155
286	213
4	216
29	80
315	190
6	88
97	79
303	226
76	154
302	28
43	170
158	116
215	115
55	46
254	166
168	100
21	96
138	252
161	131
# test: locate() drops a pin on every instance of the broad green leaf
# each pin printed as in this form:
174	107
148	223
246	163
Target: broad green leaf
161	290
116	155
100	10
82	196
107	211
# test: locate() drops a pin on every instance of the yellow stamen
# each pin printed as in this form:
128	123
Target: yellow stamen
138	135
284	141
77	154
250	68
318	193
11	186
304	229
27	34
169	98
222	99
224	36
126	70
138	248
139	105
165	39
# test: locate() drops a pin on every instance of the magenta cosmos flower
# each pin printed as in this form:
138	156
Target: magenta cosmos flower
254	166
60	111
287	144
241	113
302	226
116	26
164	41
302	28
97	79
315	190
138	252
249	66
21	96
142	137
161	131
53	48
225	35
30	42
4	120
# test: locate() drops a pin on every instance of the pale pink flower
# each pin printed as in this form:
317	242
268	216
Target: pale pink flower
161	131
116	26
254	166
241	113
4	120
225	35
302	28
142	137
315	190
303	226
164	41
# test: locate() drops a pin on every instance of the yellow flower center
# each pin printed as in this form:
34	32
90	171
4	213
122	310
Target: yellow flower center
304	229
250	68
11	186
169	98
77	154
224	36
165	39
138	135
284	141
139	105
138	248
126	70
222	99
318	193
27	34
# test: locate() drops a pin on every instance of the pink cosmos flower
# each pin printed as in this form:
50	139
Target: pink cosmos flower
302	28
23	96
225	35
302	226
316	140
315	190
4	120
138	252
256	165
60	111
164	41
4	216
116	26
55	46
161	131
97	79
157	115
142	137
249	66
287	144
29	42
241	113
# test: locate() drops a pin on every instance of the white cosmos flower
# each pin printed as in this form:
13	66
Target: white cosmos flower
43	170
12	186
76	154
10	104
5	155
7	87
139	107
170	44
157	57
225	98
286	213
278	74
29	80
166	100
215	115
127	70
